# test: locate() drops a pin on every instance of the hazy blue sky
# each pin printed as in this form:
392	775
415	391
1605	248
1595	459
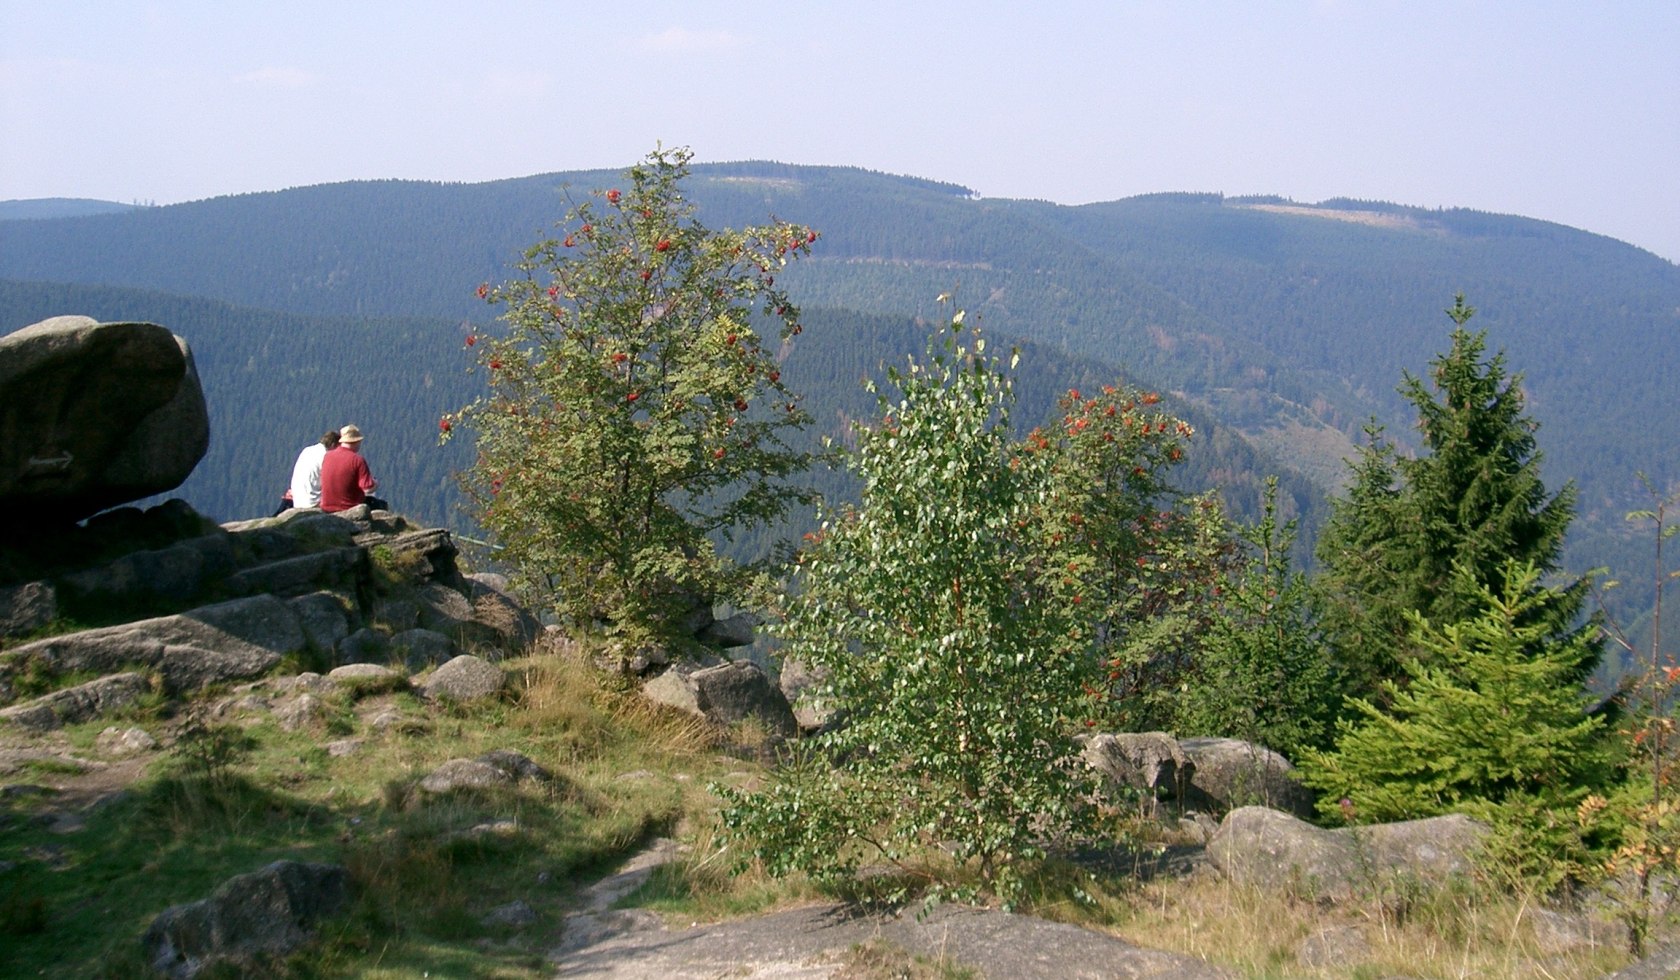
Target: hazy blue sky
1567	111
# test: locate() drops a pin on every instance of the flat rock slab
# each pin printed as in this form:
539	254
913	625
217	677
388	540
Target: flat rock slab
811	942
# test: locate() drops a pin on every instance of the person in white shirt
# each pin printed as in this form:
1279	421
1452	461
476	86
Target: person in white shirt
305	490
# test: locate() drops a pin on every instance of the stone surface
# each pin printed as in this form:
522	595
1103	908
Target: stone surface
736	631
125	741
1663	964
336	570
179	573
365	646
93	415
419	649
248	920
465	678
726	694
810	942
800	684
26	608
321	616
1229	773
228	641
1337	948
82	702
1560	932
495	611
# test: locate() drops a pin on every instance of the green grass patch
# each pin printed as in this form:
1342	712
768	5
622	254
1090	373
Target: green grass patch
226	800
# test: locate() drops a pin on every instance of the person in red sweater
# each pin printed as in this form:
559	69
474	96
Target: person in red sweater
345	478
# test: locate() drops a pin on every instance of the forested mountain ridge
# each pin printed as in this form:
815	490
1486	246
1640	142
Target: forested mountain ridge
1290	322
273	381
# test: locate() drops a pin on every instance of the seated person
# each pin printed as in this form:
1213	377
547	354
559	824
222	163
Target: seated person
305	490
346	480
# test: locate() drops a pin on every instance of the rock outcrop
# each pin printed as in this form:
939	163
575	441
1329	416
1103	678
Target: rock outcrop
316	590
93	415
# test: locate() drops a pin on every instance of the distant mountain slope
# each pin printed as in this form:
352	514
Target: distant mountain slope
274	381
1291	322
58	207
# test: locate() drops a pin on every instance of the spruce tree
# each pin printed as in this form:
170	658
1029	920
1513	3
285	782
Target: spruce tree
1473	497
1494	717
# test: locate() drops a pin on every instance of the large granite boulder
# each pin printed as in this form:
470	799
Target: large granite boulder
1226	773
249	921
1149	763
465	679
93	415
803	685
1271	850
726	694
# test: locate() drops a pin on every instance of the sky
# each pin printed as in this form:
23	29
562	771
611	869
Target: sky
1564	111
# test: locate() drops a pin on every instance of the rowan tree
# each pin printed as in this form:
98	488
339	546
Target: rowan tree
636	414
968	614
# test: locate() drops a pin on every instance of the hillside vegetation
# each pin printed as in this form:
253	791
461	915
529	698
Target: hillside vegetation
1289	322
274	381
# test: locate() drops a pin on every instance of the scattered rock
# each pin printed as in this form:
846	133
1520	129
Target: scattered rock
495	828
366	679
642	661
300	712
26	608
125	741
345	746
308	681
248	920
513	914
465	678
